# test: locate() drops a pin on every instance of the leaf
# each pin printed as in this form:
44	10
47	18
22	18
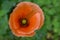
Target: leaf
3	25
3	12
56	25
5	7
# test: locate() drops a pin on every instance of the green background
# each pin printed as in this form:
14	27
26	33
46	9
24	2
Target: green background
50	29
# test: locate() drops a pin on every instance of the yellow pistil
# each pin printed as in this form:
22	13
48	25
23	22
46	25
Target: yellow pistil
24	21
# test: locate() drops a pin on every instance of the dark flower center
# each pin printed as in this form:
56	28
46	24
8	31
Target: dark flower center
24	22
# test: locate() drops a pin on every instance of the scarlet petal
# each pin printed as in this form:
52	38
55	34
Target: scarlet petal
23	35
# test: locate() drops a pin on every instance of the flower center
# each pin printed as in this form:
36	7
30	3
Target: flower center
24	22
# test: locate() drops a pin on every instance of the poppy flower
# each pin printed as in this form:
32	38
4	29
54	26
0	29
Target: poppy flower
25	19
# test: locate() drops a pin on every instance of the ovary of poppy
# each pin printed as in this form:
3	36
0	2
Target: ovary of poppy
25	19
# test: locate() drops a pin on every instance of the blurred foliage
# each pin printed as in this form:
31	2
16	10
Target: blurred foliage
50	29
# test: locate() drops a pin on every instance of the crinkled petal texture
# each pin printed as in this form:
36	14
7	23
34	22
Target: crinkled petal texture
21	11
